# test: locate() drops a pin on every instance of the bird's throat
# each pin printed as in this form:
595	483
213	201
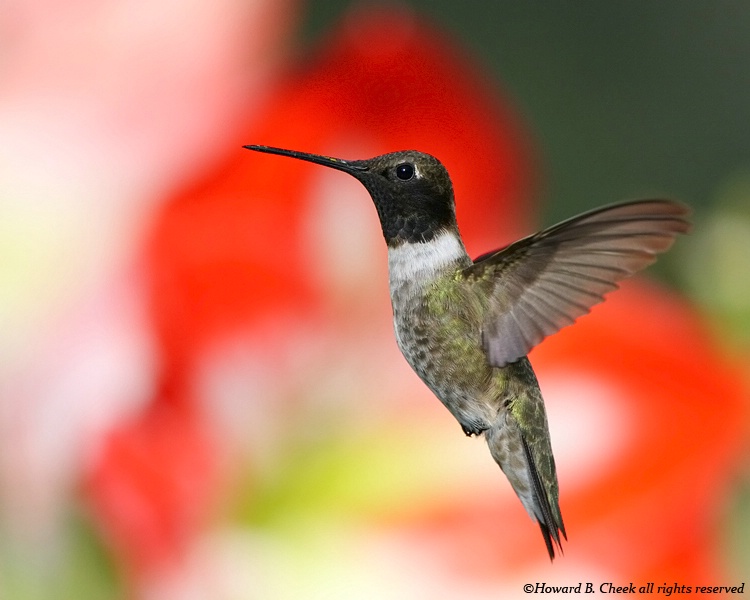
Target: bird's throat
413	262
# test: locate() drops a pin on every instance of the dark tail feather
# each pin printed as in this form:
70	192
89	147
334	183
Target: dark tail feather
550	526
549	538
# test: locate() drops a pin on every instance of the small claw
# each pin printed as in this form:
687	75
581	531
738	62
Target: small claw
477	428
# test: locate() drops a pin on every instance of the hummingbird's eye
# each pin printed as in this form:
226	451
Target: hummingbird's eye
405	171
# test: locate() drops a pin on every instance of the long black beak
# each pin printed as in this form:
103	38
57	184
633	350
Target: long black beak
348	166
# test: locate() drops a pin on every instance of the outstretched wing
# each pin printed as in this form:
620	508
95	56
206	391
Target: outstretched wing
543	282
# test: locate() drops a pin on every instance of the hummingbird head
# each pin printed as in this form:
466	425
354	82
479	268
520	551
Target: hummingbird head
412	191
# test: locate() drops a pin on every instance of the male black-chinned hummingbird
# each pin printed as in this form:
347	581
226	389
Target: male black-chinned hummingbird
465	326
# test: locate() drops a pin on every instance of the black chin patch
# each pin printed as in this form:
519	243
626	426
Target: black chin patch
413	229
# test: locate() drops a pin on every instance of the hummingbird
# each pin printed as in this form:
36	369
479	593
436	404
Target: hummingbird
466	326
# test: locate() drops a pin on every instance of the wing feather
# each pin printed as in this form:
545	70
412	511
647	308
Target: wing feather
543	282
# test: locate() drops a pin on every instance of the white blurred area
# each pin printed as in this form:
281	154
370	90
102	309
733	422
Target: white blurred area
97	116
104	106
